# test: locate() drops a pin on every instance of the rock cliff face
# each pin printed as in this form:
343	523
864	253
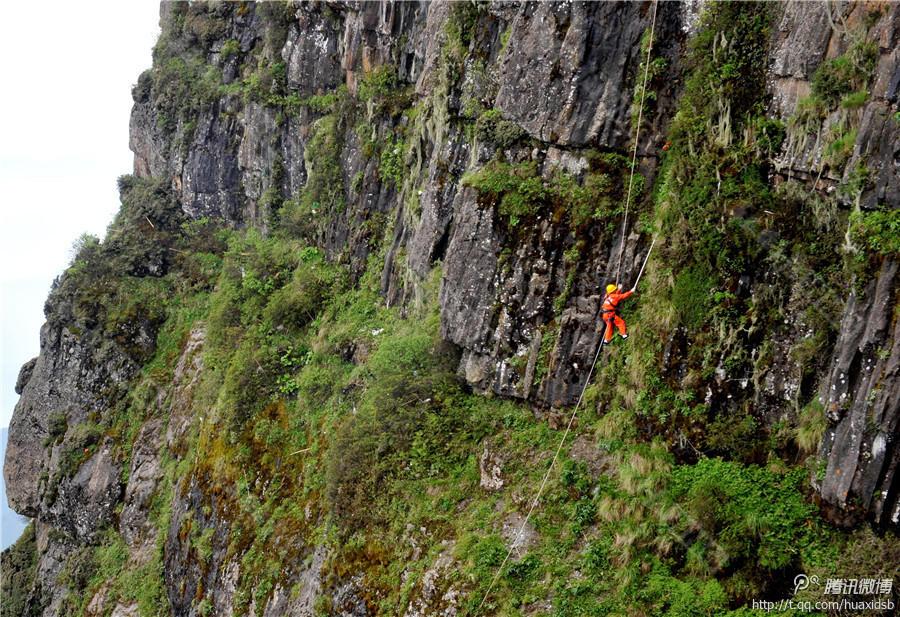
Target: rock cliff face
400	138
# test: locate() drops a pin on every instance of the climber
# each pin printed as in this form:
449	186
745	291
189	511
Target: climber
609	314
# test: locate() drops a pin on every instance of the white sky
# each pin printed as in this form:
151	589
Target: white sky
67	69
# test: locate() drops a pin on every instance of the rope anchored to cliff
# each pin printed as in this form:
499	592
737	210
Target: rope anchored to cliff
637	135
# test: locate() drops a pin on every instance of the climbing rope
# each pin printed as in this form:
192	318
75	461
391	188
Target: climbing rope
599	346
637	135
558	450
543	482
644	265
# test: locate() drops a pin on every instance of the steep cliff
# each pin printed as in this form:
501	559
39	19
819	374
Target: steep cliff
318	364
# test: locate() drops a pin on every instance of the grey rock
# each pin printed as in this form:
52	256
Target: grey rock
300	600
468	284
595	458
376	34
69	377
311	51
183	571
54	550
519	533
861	395
125	610
801	38
490	463
435	596
186	376
134	524
804	40
878	149
24	375
210	178
256	158
437	200
147	141
85	503
562	75
566	76
348	600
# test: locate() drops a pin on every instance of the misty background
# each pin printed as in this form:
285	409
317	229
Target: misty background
68	70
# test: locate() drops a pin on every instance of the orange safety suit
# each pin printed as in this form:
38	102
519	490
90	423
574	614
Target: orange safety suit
611	317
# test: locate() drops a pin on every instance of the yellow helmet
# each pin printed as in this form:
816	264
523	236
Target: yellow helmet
610	288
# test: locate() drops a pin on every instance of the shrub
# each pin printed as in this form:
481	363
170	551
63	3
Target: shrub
57	425
491	128
840	76
839	150
250	381
878	231
517	190
408	380
855	100
296	304
324	190
380	83
672	597
521	194
318	379
18	573
747	513
230	48
391	165
182	87
811	426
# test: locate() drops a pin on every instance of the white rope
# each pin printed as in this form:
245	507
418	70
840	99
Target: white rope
644	265
543	482
637	135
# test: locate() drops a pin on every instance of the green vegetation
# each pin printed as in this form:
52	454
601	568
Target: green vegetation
381	83
839	149
230	48
407	456
57	425
841	82
323	417
104	569
878	231
518	190
491	128
391	166
745	514
521	194
714	207
812	426
116	290
19	567
846	74
323	194
653	71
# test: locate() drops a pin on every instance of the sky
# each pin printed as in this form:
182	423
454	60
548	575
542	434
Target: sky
67	68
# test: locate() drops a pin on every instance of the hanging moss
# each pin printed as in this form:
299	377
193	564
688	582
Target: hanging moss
323	194
521	194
